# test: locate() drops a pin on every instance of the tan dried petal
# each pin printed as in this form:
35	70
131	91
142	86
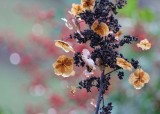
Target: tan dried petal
64	45
76	9
64	66
124	64
144	44
88	4
139	78
100	28
118	34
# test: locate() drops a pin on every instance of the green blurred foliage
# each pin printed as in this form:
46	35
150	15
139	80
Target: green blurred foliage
132	10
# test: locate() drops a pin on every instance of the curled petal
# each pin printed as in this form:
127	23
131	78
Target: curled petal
64	45
124	64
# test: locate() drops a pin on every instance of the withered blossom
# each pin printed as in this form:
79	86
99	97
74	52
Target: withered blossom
64	66
76	9
86	56
64	45
88	4
124	64
144	44
100	28
139	78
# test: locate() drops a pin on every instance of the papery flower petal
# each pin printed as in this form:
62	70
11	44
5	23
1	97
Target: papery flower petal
76	9
124	64
64	45
88	4
100	28
86	53
144	44
139	78
64	66
87	59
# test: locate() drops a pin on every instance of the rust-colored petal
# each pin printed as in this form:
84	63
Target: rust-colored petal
76	9
88	4
100	28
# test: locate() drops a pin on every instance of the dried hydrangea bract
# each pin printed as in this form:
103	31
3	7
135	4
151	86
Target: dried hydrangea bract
64	45
64	66
124	64
86	56
139	78
100	28
144	44
88	4
76	9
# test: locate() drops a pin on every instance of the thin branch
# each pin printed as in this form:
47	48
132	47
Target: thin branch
100	93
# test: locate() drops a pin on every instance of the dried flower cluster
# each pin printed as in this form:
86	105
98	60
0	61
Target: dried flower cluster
104	37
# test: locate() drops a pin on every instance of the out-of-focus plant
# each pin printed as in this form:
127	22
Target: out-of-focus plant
133	10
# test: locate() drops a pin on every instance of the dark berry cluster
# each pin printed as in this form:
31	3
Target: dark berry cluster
106	109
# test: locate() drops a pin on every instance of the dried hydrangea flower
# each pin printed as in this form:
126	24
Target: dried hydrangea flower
64	66
64	45
100	28
124	64
76	9
144	44
139	78
86	56
88	4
